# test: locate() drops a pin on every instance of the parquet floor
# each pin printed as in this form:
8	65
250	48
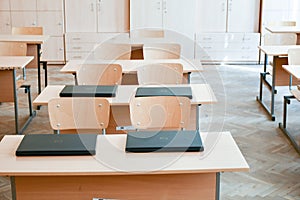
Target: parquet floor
275	165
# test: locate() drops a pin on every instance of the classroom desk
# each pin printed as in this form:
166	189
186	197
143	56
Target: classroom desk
285	29
8	67
279	75
129	67
294	71
114	174
34	43
119	117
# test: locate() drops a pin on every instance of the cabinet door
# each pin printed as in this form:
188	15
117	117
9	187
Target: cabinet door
243	16
211	15
4	5
182	22
113	15
23	5
53	49
81	15
51	21
5	24
146	14
23	18
50	5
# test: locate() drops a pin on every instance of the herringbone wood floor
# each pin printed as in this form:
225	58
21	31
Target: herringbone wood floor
275	169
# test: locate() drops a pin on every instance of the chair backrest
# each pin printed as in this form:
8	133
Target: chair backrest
78	113
161	51
99	74
147	33
162	112
294	56
13	49
112	51
27	30
160	73
280	39
282	23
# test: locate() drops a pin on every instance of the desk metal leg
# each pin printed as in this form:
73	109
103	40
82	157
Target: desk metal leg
218	183
269	86
13	188
198	117
189	78
39	66
31	113
283	126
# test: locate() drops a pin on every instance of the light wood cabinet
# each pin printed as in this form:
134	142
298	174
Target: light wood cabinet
46	13
174	15
227	16
97	15
227	47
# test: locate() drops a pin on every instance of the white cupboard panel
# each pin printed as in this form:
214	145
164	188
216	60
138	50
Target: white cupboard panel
113	15
23	5
53	49
52	27
50	5
211	15
4	5
146	14
23	18
5	22
81	15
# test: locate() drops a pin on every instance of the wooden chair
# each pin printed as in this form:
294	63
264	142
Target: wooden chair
32	31
147	33
161	73
161	51
112	51
6	80
162	112
99	74
78	114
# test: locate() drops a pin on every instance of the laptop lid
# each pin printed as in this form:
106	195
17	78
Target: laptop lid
89	91
164	141
57	145
164	91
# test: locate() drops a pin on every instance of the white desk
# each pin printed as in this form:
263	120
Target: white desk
34	43
8	67
279	75
202	94
114	174
130	66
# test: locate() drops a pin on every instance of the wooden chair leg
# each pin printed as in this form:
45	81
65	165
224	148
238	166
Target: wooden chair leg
46	71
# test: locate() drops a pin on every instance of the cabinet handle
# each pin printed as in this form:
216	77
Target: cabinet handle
76	39
92	7
33	23
7	24
77	56
61	49
165	6
207	38
76	48
158	5
207	47
59	23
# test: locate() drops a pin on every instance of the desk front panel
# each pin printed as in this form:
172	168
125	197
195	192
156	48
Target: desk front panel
136	187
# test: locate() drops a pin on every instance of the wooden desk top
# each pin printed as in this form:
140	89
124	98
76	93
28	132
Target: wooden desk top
278	50
130	65
221	155
14	62
202	94
30	39
293	70
283	29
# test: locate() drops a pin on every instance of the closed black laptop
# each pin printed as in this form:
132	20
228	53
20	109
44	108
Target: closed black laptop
57	145
164	91
163	141
89	91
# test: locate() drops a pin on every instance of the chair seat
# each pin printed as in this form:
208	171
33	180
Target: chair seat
296	93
